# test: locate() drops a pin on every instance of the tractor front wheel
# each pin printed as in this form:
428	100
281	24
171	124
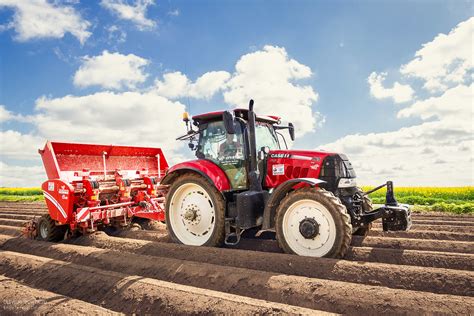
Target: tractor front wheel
49	231
313	222
195	212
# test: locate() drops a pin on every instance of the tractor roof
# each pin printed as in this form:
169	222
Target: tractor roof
242	113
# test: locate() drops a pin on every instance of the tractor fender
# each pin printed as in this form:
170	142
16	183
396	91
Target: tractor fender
206	168
277	196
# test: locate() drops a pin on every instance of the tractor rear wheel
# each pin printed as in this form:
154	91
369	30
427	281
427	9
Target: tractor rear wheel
49	231
313	222
195	212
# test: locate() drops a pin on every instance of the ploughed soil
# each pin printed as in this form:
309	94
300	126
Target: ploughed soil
428	270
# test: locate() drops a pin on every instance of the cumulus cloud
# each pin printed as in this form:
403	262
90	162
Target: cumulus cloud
399	92
128	118
152	118
135	13
270	76
177	85
34	19
446	60
440	150
15	145
111	70
5	115
21	176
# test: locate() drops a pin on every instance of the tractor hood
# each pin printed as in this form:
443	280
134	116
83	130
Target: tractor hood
302	154
283	165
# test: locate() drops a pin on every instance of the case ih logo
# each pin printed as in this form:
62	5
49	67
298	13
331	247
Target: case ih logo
280	156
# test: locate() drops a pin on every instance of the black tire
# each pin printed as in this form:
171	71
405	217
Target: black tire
49	231
337	210
217	236
139	223
367	207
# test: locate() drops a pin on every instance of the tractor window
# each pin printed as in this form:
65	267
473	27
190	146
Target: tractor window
265	136
225	150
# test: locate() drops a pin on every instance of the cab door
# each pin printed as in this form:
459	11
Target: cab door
225	150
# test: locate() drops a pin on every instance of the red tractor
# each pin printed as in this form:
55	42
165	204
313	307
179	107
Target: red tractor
243	180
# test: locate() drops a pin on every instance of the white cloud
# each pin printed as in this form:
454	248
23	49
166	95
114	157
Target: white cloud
14	145
21	176
177	85
111	70
446	60
269	76
455	106
5	115
128	118
174	12
135	13
439	151
116	35
399	92
40	19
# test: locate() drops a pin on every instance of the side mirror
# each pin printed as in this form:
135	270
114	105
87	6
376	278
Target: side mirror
291	130
228	122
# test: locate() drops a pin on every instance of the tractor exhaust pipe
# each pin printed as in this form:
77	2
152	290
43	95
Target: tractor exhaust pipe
254	183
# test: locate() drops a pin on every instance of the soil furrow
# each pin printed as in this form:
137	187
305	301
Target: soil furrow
131	293
419	258
404	277
23	217
12	222
442	222
336	296
414	244
419	234
451	260
10	230
19	299
438	228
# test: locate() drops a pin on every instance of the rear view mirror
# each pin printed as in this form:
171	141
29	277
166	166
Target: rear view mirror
291	130
228	122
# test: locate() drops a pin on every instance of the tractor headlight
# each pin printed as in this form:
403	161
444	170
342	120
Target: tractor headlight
347	183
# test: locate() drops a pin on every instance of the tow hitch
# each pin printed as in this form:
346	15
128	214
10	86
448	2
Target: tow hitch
395	216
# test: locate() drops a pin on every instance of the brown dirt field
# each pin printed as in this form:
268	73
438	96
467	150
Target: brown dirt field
419	234
428	270
446	228
414	244
16	298
435	259
34	270
142	295
405	277
10	230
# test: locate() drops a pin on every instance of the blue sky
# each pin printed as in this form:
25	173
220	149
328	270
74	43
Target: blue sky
341	43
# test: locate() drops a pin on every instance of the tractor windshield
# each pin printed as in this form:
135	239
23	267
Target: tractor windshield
225	150
265	136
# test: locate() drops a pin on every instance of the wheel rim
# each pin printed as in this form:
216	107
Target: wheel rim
43	230
300	212
192	214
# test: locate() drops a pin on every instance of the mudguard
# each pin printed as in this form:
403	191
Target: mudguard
278	194
205	168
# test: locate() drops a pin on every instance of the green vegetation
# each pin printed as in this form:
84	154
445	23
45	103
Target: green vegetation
458	200
21	194
21	191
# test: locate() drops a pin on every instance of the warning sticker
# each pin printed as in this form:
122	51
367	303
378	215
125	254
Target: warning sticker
278	170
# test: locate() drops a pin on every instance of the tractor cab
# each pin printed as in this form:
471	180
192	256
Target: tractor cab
230	150
244	178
